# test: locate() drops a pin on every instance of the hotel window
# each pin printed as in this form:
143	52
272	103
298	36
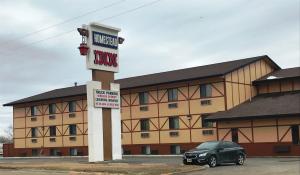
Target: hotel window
72	129
234	135
295	134
145	126
52	131
72	106
146	150
205	123
143	98
73	152
52	108
33	110
34	132
205	90
172	94
174	122
175	149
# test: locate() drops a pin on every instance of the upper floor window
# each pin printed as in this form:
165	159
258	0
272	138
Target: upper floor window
72	129
145	126
143	98
174	122
52	108
205	90
34	132
205	123
52	130
173	94
33	110
72	106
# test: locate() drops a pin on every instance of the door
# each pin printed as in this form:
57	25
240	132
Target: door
235	135
295	134
224	153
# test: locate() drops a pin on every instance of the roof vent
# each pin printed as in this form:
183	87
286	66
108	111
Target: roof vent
271	77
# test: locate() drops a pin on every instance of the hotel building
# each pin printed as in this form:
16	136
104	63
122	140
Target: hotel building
250	101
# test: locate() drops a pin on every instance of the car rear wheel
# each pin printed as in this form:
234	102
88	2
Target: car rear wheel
212	161
240	159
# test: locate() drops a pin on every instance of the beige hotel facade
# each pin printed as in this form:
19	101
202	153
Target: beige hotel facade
167	113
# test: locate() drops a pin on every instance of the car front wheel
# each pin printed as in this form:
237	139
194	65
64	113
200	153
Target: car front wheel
212	161
240	159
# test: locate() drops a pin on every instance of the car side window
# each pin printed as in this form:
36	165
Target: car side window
227	145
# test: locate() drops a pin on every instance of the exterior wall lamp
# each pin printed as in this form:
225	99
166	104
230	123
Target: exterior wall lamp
83	48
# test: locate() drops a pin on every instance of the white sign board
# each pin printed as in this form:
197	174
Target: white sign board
106	99
103	44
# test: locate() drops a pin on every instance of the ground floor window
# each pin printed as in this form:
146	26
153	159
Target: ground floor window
146	150
175	149
73	152
34	152
295	134
55	152
235	135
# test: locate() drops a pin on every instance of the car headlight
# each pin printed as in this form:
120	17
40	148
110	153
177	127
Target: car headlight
202	155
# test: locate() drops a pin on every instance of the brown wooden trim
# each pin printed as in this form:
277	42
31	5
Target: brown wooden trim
198	87
196	121
285	134
153	124
244	83
186	98
136	125
159	141
252	131
277	130
183	122
232	92
225	95
122	97
238	77
123	123
162	95
229	131
152	97
135	99
164	124
222	94
244	135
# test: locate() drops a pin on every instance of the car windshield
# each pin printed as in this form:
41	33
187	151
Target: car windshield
208	145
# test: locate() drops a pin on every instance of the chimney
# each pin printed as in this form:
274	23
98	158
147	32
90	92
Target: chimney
75	83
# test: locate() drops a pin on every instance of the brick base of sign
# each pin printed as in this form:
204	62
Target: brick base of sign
252	149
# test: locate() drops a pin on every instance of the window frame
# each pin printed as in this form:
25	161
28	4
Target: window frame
205	90
33	111
72	106
172	126
204	123
143	98
34	133
147	125
72	132
172	94
52	108
52	132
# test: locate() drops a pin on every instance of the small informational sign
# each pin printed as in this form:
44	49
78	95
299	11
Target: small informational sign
106	99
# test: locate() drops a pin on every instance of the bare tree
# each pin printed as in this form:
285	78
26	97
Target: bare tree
8	137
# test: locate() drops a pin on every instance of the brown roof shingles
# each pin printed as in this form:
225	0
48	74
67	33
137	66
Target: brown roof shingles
280	74
267	105
199	72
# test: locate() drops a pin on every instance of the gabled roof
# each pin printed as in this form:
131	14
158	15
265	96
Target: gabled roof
200	72
280	74
266	105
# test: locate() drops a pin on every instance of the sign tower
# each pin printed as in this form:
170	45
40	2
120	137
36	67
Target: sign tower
100	46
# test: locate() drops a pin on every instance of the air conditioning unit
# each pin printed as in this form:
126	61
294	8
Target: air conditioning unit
33	140
174	134
52	139
33	119
144	108
145	135
172	105
208	132
52	117
72	138
205	102
72	115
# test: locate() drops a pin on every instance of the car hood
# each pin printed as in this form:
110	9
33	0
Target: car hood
198	151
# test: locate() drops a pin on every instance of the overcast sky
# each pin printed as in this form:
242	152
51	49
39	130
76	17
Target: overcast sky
38	39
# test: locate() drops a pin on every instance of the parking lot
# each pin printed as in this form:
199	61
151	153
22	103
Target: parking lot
146	165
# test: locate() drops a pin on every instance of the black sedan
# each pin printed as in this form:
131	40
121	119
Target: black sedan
214	153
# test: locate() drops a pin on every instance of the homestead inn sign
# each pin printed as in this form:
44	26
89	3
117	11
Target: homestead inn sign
100	45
